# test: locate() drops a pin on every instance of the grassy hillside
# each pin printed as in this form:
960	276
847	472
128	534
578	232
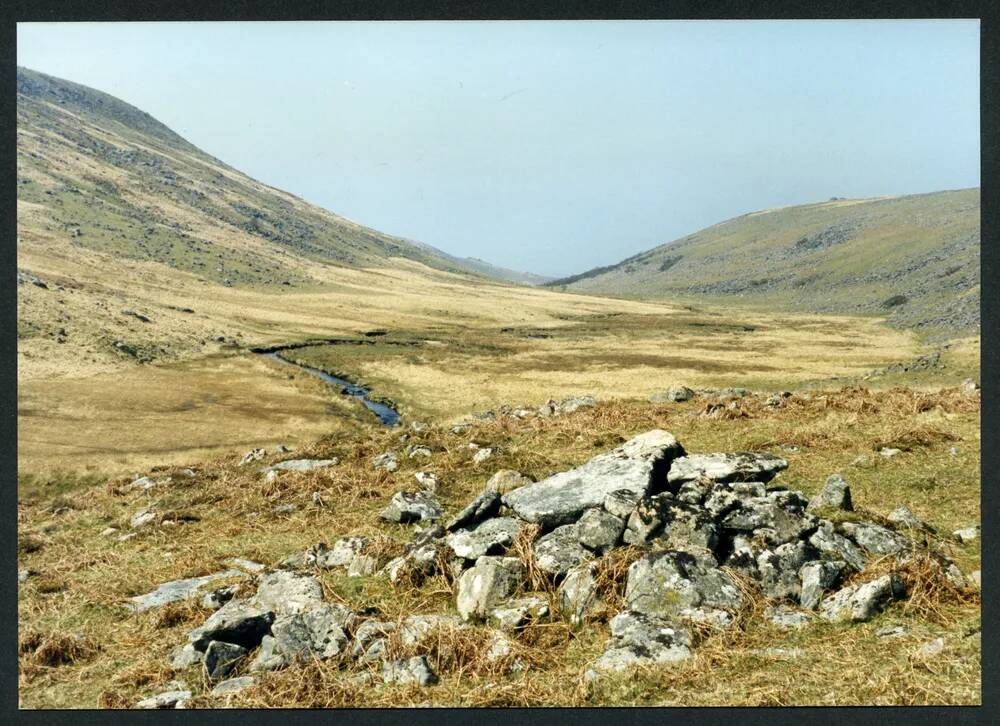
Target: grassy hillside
913	259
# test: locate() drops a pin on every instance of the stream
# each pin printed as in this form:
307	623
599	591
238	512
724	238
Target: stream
386	413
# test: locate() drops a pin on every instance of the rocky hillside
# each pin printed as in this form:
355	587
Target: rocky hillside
913	259
115	179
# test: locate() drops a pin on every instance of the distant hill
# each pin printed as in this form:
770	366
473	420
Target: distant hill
119	181
913	259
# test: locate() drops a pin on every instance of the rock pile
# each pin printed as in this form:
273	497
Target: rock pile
705	531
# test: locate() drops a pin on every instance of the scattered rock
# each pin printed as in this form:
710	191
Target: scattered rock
482	507
240	622
876	539
285	509
426	480
930	649
638	639
560	550
168	699
489	582
343	552
482	455
415	670
969	387
176	590
141	519
889	452
816	578
976	576
788	619
283	591
412	507
664	583
215	599
387	461
903	517
516	613
891	631
303	465
836	494
836	547
414	450
861	602
599	530
221	659
487	538
966	535
578	593
23	575
252	455
233	685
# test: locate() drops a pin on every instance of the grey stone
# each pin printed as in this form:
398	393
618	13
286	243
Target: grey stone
387	461
563	497
639	639
507	480
283	592
482	507
836	547
142	518
370	639
966	535
836	494
244	564
427	480
968	387
240	622
599	530
816	578
621	502
168	699
787	618
891	631
185	656
560	550
930	649
215	599
415	670
285	509
222	658
416	628
488	583
889	452
485	538
252	455
482	455
575	403
904	517
315	633
302	465
664	583
414	450
515	613
741	466
861	602
412	507
233	685
976	576
876	539
779	570
344	550
362	566
711	617
578	593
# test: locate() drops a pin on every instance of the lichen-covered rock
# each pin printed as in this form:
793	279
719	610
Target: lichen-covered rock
779	570
834	546
233	685
484	506
340	555
167	699
412	507
185	656
621	502
640	639
387	461
415	670
599	530
816	578
370	640
488	583
905	518
303	465
560	550
516	613
876	539
563	497
284	591
177	590
788	618
861	602
578	593
486	538
836	494
740	466
664	583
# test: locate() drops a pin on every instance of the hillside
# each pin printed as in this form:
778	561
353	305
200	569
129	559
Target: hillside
504	273
912	259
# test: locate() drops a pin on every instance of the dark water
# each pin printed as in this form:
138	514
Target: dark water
386	414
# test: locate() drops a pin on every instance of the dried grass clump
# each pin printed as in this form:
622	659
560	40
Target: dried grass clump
536	580
54	649
611	575
175	613
908	437
930	595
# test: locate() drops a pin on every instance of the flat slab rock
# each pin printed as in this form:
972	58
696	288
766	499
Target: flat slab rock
301	465
638	639
740	466
177	590
563	497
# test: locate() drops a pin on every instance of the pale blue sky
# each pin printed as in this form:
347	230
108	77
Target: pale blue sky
550	146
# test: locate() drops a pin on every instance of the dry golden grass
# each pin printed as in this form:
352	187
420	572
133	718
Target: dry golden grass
229	510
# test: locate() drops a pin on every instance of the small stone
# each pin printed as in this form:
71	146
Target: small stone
742	466
930	649
966	535
169	699
861	460
415	670
141	519
411	507
127	536
386	461
108	532
482	507
302	465
788	619
414	450
976	576
903	517
891	631
889	452
516	613
185	656
876	539
969	387
621	502
861	602
285	509
599	530
488	583
578	593
486	538
817	577
638	639
342	553
239	622
836	494
426	480
222	658
251	456
283	591
233	685
560	550
482	455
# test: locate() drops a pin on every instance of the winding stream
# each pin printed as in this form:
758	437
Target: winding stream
386	413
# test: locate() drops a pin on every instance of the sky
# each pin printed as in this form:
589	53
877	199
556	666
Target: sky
550	147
